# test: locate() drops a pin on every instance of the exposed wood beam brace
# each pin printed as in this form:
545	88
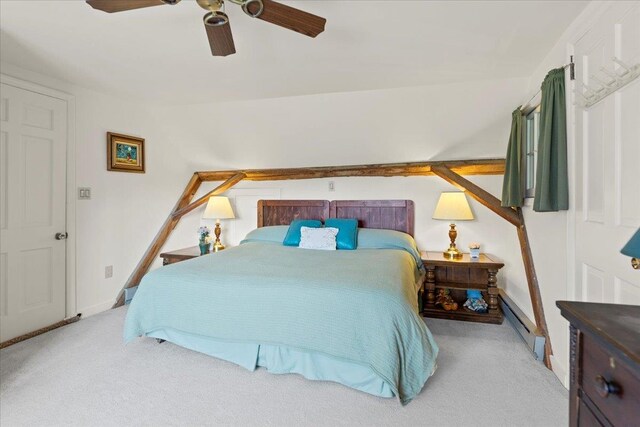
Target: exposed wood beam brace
534	288
202	200
181	208
156	244
463	167
450	171
515	217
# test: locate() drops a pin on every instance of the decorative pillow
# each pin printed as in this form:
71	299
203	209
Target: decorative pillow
293	234
348	231
318	238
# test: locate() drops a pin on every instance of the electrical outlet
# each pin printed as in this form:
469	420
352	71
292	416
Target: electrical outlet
332	186
108	272
84	193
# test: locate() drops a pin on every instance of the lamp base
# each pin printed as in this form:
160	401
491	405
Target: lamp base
217	245
452	253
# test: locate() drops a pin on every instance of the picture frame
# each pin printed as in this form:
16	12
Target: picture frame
125	153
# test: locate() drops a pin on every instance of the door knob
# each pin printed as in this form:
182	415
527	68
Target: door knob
61	236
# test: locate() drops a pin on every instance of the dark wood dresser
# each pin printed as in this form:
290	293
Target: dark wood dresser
605	363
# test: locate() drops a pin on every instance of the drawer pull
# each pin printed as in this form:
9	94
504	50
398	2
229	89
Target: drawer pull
605	388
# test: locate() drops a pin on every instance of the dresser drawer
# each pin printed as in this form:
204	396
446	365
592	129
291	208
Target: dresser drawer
610	384
586	418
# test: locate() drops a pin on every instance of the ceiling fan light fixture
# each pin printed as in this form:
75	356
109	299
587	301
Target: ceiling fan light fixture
253	8
216	18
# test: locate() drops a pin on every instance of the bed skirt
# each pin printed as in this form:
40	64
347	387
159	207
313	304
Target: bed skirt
282	360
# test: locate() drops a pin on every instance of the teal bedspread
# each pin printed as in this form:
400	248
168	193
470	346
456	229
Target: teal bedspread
358	306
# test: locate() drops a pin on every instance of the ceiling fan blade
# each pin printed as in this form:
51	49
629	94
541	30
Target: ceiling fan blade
111	6
220	39
287	17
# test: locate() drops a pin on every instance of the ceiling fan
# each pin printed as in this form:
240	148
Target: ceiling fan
216	21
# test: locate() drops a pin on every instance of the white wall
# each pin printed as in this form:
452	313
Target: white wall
116	225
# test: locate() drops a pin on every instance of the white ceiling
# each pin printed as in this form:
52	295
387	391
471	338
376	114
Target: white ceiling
161	54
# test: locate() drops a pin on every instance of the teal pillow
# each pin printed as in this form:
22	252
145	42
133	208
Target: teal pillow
293	234
347	232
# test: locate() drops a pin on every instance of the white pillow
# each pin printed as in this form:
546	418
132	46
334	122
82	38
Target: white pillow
318	238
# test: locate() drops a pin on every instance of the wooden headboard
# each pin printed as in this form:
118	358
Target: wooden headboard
388	214
282	212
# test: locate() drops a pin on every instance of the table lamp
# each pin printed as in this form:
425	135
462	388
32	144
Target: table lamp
453	206
218	208
632	249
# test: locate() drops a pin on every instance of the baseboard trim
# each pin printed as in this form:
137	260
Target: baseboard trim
560	371
40	331
96	308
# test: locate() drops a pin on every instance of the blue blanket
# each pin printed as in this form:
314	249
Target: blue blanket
358	306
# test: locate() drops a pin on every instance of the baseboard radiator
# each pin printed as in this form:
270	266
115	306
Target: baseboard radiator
525	327
129	293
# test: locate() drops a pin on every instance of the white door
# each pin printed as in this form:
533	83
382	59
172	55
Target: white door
33	142
608	163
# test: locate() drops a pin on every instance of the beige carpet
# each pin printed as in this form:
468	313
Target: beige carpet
83	374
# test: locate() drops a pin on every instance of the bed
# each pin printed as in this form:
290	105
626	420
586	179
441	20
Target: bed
349	316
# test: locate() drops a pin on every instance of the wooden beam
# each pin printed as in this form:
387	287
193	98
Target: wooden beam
534	288
464	167
482	196
202	200
516	218
450	171
154	249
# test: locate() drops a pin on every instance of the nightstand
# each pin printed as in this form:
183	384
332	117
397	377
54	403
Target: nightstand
458	275
180	255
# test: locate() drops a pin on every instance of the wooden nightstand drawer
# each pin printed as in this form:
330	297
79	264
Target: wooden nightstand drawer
609	383
180	255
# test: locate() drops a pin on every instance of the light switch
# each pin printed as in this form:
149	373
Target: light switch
84	193
332	186
108	272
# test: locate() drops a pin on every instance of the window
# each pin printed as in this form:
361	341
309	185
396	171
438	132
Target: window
531	135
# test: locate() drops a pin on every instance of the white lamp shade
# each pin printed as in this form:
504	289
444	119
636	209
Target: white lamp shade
218	207
453	206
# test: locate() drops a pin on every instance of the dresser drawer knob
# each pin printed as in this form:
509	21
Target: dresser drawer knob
605	388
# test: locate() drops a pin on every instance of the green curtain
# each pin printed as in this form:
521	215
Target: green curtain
552	181
513	184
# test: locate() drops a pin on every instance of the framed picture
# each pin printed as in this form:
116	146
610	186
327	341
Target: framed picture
125	153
